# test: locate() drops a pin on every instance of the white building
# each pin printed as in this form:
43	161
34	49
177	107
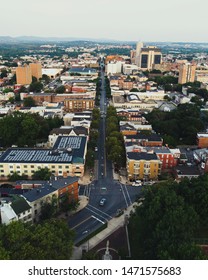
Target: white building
114	67
17	210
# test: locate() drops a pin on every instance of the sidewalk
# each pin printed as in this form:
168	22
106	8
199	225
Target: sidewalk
85	180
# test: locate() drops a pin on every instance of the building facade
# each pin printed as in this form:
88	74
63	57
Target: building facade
23	75
143	166
36	70
187	73
66	158
147	57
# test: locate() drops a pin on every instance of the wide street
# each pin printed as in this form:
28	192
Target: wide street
117	195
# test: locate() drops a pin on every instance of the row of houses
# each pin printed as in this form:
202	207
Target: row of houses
24	202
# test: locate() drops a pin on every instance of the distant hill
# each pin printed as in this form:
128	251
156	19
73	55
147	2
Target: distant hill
9	39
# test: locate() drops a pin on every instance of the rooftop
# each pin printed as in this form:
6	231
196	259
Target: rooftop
141	156
66	149
149	137
48	187
20	205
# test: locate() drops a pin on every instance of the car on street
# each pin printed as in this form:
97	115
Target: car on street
102	201
137	183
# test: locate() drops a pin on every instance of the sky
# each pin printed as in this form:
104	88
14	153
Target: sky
129	20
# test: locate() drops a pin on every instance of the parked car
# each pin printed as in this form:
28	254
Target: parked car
137	183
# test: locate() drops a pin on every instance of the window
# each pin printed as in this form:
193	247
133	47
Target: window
32	166
144	61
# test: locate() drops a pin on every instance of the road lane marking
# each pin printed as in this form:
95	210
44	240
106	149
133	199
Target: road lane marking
98	220
128	194
100	211
88	218
96	213
124	195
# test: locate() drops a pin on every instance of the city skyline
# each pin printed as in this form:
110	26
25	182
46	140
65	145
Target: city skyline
137	20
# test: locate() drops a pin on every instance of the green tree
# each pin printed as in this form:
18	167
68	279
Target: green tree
45	78
50	240
36	87
42	174
16	177
90	157
3	73
28	102
6	90
134	90
165	226
30	129
60	89
49	209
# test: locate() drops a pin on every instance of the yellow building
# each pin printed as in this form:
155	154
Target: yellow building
36	70
23	75
66	158
143	166
187	73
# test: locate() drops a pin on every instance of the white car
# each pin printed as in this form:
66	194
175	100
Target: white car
137	184
102	201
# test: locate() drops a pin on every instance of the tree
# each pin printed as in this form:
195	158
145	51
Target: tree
16	177
45	78
30	129
28	102
34	79
50	240
60	89
165	226
36	87
90	157
134	90
6	90
22	89
3	74
49	209
42	174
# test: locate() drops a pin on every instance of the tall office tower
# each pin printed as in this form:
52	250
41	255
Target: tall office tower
139	46
23	75
149	56
133	56
36	70
187	73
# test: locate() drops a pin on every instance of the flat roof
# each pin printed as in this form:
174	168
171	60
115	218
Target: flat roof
141	156
149	137
66	149
85	70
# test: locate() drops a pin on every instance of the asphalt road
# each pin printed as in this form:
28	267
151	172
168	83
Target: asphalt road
117	195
